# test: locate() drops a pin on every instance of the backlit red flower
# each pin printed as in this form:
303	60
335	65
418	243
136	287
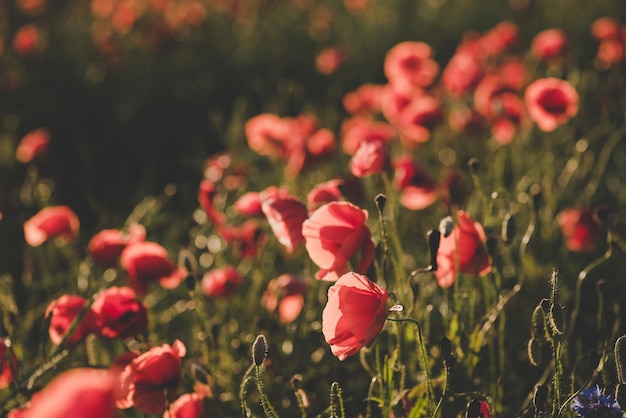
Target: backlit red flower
409	66
359	129
417	119
365	100
150	380
461	74
106	246
580	229
551	102
53	222
285	216
118	313
81	392
463	248
34	144
8	363
329	59
221	282
323	193
333	234
188	405
418	189
285	294
550	44
369	159
354	314
62	313
148	262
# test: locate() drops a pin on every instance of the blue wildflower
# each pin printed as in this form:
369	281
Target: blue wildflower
593	403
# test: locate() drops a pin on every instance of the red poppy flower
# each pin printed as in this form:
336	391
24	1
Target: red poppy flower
551	102
33	145
461	74
285	293
328	60
354	314
333	234
464	247
417	119
8	363
418	189
245	240
221	282
81	392
189	405
368	159
549	44
106	246
409	66
500	38
360	129
285	216
206	194
28	40
365	100
62	313
147	262
580	229
53	222
323	193
150	380
117	313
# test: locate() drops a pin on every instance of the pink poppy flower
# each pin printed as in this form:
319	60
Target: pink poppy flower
417	119
267	135
62	313
323	193
551	102
354	314
245	240
581	231
605	28
53	222
147	262
500	38
549	45
464	247
150	381
461	74
118	313
365	100
285	293
320	144
333	234
359	129
33	145
81	392
329	59
418	189
409	66
188	405
8	363
106	246
369	159
285	216
221	282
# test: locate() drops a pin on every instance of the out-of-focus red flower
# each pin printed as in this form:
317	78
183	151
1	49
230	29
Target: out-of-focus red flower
34	144
461	74
417	119
329	59
267	135
31	7
551	102
118	313
465	120
356	6
150	380
333	234
249	204
321	143
369	159
323	193
418	189
81	392
206	194
365	100
549	45
221	282
53	222
188	405
500	38
285	293
246	239
106	246
285	216
359	129
354	314
62	313
148	262
409	66
605	28
28	40
463	248
8	363
580	229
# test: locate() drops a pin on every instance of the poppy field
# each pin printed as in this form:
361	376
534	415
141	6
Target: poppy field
312	208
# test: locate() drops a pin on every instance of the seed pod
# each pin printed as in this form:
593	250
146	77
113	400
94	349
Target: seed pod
620	394
381	201
259	350
557	319
199	373
538	329
445	226
540	398
620	359
534	352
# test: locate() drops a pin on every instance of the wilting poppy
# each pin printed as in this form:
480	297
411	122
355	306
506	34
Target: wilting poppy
333	234
354	314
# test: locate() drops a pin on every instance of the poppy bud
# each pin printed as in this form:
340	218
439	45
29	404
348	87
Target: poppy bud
434	238
381	201
620	358
200	373
540	398
259	350
474	165
445	226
